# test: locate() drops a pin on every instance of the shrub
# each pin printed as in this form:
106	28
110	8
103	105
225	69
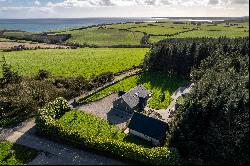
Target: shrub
9	76
42	74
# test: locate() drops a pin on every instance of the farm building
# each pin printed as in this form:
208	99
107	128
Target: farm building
135	99
148	128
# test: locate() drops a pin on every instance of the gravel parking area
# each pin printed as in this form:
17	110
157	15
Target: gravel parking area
104	109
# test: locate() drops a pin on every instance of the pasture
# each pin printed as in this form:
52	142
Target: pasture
74	62
210	30
104	37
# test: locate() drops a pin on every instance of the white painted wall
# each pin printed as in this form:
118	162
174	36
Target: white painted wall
136	133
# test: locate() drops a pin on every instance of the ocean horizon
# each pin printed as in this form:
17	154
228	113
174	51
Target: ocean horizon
53	24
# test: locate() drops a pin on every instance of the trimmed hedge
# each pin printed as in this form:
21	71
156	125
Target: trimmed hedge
46	122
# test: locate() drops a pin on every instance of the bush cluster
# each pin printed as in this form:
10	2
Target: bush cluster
46	121
21	97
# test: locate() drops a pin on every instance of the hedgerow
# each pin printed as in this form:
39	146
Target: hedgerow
48	122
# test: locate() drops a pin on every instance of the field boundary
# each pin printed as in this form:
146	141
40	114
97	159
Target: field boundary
81	99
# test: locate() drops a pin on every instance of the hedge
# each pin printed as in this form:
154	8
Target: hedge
46	122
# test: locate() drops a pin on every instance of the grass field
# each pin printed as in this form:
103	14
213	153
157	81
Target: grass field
210	30
13	154
164	28
109	35
4	40
156	83
104	37
74	62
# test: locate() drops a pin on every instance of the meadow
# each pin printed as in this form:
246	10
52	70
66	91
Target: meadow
74	62
104	37
210	30
132	33
156	83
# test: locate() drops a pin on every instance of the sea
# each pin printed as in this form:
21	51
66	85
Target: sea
46	25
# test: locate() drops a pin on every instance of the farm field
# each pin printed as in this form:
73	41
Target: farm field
21	155
104	37
156	83
210	30
164	28
110	35
74	62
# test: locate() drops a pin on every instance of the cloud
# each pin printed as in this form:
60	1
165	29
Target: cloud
213	2
38	3
123	8
105	3
240	2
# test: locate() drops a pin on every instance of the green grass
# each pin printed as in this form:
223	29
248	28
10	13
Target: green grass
92	126
13	154
17	34
74	62
156	83
164	28
206	30
104	37
5	40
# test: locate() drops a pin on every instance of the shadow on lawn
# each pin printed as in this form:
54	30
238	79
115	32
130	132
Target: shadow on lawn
161	81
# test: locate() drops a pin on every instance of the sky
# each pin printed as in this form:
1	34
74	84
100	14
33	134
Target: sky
122	8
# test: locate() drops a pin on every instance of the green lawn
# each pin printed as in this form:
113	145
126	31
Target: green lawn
104	37
74	62
92	126
13	154
156	83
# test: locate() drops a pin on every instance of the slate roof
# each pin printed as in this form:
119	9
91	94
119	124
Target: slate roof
132	97
149	126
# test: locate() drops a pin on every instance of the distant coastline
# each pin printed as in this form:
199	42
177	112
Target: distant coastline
52	24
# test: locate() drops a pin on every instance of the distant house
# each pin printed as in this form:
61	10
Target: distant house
135	99
148	128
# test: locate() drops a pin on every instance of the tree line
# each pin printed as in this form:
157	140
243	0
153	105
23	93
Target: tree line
212	126
180	56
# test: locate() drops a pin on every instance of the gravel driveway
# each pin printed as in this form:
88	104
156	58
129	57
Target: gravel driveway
103	109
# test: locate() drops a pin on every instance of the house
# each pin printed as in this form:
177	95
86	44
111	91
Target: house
134	100
148	128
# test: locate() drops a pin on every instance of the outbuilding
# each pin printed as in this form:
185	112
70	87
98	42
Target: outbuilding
148	128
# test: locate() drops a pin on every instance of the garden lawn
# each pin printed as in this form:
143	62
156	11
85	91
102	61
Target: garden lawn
13	154
104	37
156	83
92	126
74	62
